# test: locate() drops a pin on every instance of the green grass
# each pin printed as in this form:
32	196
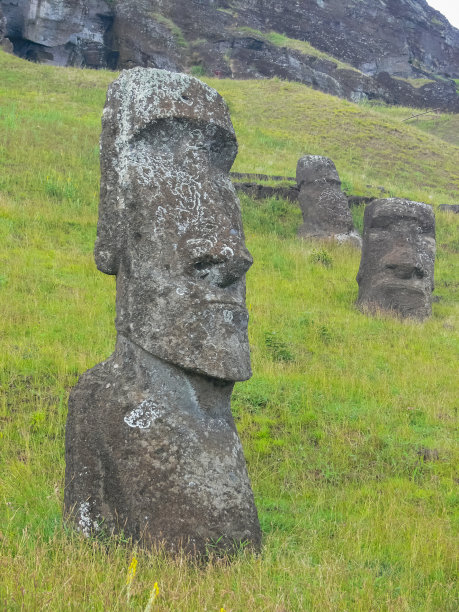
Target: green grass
336	418
415	82
277	122
172	27
281	40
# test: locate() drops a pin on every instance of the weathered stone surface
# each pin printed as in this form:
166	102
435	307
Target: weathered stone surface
324	206
397	267
262	192
61	32
454	208
5	44
151	445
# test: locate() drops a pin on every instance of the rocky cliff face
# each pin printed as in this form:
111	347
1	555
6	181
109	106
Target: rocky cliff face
61	32
396	36
381	39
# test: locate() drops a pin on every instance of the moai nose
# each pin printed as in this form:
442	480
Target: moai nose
223	265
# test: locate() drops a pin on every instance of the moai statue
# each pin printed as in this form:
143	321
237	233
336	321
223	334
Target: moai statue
398	255
324	206
151	446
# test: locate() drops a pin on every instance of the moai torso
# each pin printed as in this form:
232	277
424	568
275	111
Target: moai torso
167	464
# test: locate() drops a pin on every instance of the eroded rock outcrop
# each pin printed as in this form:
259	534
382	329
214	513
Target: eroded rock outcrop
61	32
233	39
324	206
396	271
5	44
151	445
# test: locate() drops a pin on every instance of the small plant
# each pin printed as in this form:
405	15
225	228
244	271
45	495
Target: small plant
279	349
154	594
321	256
60	188
324	333
130	577
197	70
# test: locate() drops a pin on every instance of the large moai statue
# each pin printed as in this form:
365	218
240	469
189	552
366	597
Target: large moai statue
324	206
398	256
151	446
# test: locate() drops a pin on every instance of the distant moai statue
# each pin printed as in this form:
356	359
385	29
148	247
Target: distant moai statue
151	446
324	206
398	256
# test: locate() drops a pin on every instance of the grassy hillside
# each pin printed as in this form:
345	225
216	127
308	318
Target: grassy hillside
349	423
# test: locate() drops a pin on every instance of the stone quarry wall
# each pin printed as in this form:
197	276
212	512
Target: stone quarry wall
383	40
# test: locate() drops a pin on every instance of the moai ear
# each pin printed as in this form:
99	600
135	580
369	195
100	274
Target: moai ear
108	246
110	231
110	227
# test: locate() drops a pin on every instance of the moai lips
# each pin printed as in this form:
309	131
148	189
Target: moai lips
151	445
398	256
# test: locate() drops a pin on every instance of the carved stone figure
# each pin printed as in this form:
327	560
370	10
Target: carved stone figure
151	445
398	255
324	206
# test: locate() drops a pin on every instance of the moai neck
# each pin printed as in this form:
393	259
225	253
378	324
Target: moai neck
169	384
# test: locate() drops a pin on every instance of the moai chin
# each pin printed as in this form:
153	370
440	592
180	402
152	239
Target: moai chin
398	255
324	206
151	446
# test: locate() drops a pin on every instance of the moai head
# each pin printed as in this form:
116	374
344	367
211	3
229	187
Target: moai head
324	206
170	223
398	255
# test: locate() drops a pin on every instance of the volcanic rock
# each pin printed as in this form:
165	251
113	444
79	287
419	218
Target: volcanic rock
324	206
151	446
256	39
396	271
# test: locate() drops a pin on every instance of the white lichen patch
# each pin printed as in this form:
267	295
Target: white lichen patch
227	316
147	95
85	523
144	415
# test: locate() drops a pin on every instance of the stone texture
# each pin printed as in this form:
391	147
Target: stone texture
61	32
406	38
151	446
5	44
453	208
397	267
324	206
262	192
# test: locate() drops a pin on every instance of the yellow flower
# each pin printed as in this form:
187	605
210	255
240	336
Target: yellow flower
131	571
153	595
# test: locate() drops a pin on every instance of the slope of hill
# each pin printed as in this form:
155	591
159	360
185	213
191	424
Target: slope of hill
256	39
349	424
